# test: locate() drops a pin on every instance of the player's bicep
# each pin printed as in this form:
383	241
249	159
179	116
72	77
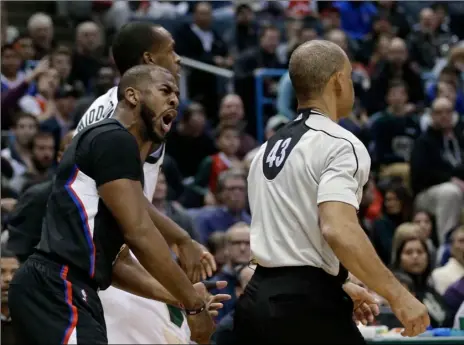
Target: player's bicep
125	200
340	180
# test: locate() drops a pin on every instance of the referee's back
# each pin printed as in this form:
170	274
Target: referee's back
310	160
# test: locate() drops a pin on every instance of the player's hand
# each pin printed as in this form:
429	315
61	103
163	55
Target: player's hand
365	305
196	261
411	313
201	327
213	302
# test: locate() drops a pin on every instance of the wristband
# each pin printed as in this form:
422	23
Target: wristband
191	312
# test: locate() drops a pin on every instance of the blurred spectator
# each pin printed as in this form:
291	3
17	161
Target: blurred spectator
427	42
42	104
40	28
61	121
25	48
86	58
238	253
396	210
356	17
395	16
9	265
11	98
188	142
227	142
448	86
172	209
444	277
402	232
25	223
232	113
217	246
19	153
43	154
244	35
105	80
454	296
428	230
393	133
232	199
412	258
12	76
371	205
396	66
437	160
263	56
60	59
201	42
379	52
454	59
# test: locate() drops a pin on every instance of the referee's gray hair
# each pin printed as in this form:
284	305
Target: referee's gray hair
312	65
229	174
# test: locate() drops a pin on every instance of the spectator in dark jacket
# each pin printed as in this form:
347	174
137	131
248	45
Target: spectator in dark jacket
397	66
437	168
394	131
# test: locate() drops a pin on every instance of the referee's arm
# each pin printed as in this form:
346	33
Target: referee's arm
341	180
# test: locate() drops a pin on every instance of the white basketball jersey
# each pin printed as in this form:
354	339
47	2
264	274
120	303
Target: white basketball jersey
132	319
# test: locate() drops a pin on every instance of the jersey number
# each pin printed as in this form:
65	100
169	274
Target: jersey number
281	147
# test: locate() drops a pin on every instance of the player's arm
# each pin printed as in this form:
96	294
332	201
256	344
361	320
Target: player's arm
130	276
196	261
117	175
340	226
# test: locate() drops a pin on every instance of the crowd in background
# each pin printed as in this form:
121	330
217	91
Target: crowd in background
408	76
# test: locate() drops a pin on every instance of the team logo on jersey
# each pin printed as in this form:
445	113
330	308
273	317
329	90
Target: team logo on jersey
84	295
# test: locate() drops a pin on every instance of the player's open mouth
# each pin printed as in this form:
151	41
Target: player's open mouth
167	119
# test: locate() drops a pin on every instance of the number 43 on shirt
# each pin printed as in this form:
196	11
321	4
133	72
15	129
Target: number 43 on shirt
278	152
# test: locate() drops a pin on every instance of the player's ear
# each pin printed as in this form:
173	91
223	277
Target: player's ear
148	59
131	95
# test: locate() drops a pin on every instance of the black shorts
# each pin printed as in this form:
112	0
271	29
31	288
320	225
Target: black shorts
294	305
50	305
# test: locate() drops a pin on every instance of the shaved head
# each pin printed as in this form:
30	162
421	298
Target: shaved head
312	65
138	77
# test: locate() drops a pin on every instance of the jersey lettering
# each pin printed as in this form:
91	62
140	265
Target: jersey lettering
95	115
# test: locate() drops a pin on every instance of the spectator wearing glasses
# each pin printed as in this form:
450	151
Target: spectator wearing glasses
231	195
437	168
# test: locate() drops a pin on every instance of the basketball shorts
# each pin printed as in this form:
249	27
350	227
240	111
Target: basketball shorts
51	304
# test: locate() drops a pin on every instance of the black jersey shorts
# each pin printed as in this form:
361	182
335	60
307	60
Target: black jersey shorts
50	304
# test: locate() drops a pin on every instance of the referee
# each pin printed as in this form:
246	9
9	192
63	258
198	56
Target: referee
305	185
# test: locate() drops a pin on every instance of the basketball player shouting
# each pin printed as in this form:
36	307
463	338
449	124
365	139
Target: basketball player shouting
127	315
96	207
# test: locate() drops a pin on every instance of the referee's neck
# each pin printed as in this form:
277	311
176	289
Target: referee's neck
321	105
